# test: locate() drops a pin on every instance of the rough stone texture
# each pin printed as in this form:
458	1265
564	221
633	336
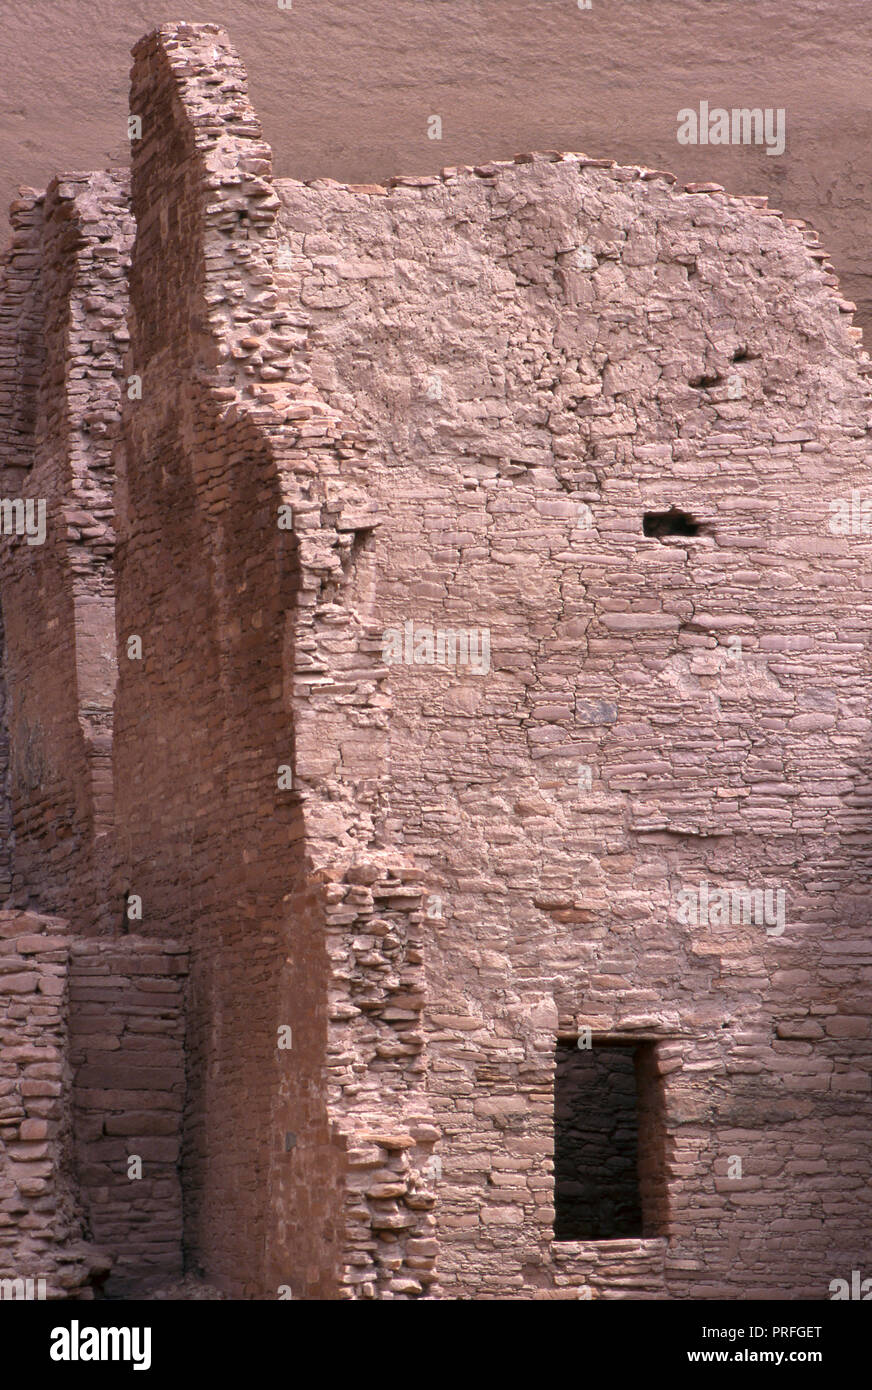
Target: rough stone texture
62	329
187	1289
91	1073
587	325
126	1048
453	401
5	799
40	1230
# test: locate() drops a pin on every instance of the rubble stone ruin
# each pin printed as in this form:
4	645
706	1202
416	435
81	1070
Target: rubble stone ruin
436	729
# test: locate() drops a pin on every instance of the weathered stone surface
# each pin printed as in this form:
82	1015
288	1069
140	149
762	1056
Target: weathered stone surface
600	419
41	1235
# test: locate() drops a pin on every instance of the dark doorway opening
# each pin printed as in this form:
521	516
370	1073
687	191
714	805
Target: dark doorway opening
606	1141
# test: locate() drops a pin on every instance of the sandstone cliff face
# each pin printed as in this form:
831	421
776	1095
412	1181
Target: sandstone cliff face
494	545
349	91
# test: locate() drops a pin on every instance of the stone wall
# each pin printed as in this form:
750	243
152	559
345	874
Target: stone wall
91	1075
518	364
205	577
6	833
62	330
41	1234
126	1050
568	410
542	354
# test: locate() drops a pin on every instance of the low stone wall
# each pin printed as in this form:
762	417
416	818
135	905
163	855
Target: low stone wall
40	1233
91	1078
126	1048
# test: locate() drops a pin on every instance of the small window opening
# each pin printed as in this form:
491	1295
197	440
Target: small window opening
608	1142
671	523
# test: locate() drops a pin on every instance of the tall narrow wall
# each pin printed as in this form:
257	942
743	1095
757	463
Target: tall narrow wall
207	838
63	297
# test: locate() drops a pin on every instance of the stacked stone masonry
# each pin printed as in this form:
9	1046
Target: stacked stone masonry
590	425
126	1050
92	1075
40	1234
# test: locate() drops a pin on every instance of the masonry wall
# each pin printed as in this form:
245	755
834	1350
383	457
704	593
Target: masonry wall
126	1052
91	1075
6	837
450	403
41	1232
604	346
62	329
542	353
206	837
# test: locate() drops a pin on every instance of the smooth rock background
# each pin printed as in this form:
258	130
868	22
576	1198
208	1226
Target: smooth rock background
345	90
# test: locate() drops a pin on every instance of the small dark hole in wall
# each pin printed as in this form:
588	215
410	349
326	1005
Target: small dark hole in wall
701	383
671	523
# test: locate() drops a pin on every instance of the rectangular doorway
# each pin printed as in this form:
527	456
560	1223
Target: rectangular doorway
608	1170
